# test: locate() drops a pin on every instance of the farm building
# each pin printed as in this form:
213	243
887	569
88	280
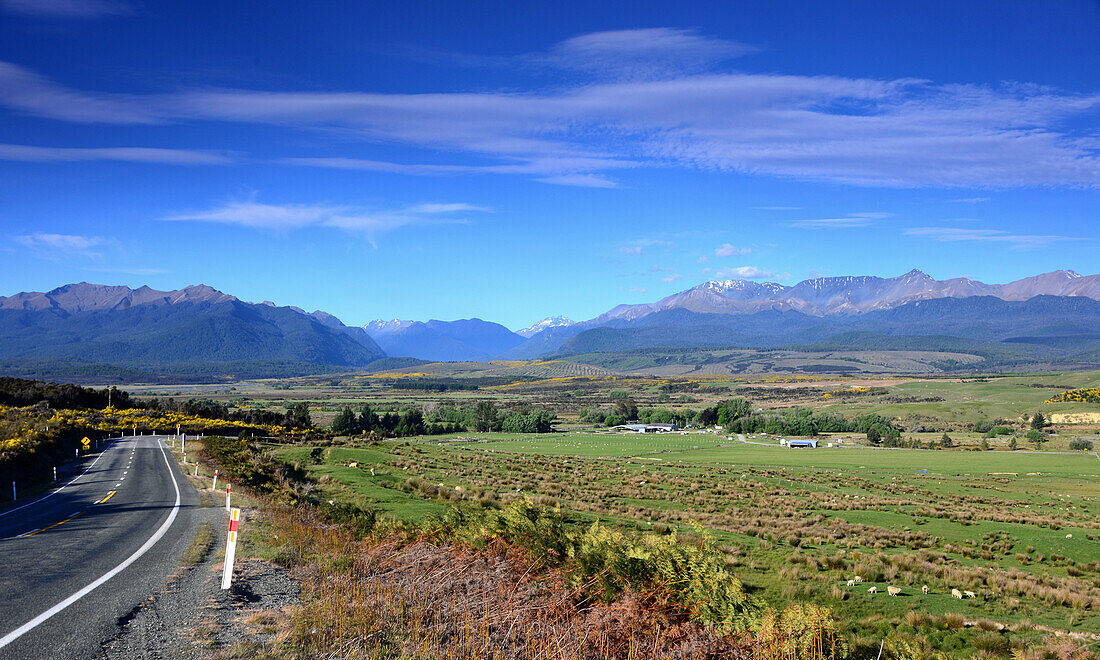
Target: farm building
646	428
801	444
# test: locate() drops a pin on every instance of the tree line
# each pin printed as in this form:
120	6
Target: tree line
410	420
737	416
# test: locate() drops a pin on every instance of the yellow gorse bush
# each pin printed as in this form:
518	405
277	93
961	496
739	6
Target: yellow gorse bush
21	427
1084	395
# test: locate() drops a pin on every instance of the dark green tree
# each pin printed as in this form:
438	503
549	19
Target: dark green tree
345	423
1038	421
368	420
873	435
946	441
298	415
486	417
626	408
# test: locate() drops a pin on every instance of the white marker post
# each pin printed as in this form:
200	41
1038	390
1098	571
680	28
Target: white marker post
196	468
183	443
13	498
55	474
215	484
228	490
230	548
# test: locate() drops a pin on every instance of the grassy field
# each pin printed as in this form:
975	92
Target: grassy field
1019	529
567	388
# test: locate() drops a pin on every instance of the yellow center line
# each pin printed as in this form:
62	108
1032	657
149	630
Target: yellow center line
75	515
54	525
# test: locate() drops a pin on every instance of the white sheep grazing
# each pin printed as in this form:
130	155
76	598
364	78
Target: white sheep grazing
1069	536
893	591
851	583
858	579
925	589
969	594
872	590
956	594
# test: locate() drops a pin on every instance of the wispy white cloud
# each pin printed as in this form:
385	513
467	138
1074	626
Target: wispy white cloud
581	180
27	153
59	246
283	217
66	8
969	200
729	250
750	273
955	234
559	170
635	250
674	277
645	53
844	222
897	132
30	93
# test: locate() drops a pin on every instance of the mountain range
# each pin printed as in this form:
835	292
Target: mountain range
199	331
443	341
88	330
830	304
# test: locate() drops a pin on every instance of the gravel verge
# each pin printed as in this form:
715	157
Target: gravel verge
192	617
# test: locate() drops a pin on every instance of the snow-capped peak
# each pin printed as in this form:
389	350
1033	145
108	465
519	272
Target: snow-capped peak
545	324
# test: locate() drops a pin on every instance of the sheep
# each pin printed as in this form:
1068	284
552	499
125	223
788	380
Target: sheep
925	589
1069	536
969	594
851	583
872	590
893	591
858	579
955	593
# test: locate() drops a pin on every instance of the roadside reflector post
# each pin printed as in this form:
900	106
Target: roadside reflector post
230	548
228	490
196	468
55	474
215	485
13	498
183	443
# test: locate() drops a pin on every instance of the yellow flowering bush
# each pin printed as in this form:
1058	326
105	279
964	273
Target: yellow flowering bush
1083	395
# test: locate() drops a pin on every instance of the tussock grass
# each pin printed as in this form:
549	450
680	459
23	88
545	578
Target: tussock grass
200	546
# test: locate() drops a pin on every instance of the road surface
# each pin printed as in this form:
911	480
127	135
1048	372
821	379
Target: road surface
77	560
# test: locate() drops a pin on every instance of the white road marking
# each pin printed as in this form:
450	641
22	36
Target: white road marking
38	620
55	492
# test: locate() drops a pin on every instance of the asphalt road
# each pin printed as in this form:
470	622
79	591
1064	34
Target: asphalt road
75	564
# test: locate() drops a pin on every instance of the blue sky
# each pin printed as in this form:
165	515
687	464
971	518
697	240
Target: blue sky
513	161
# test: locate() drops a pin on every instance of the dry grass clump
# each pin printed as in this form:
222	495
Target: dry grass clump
397	596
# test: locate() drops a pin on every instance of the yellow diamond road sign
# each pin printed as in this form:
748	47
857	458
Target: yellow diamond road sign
86	442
